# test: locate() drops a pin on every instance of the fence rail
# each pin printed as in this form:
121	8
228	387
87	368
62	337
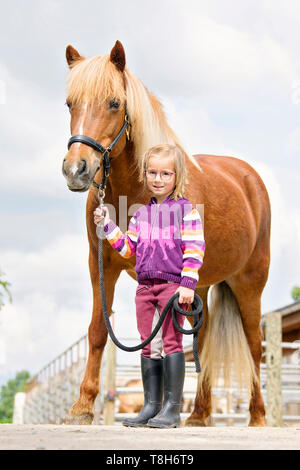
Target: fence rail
61	363
52	391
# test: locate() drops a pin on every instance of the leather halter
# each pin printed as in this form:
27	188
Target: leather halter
83	139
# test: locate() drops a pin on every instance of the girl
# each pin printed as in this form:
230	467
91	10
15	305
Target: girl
167	237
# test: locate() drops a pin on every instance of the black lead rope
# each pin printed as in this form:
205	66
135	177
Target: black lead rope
197	313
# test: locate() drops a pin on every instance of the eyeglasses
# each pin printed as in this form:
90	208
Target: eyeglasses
164	175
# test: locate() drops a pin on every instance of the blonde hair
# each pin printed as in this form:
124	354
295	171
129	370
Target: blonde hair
167	150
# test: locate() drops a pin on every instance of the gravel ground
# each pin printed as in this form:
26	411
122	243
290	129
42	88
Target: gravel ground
63	437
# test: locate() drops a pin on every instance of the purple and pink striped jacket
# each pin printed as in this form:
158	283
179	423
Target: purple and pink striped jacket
167	239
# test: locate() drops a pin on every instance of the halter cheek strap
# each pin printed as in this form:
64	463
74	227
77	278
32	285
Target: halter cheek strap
83	139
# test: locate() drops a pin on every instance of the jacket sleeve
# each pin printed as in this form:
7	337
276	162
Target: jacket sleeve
124	243
193	247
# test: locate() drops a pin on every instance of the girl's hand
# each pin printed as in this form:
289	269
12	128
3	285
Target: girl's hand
186	295
98	217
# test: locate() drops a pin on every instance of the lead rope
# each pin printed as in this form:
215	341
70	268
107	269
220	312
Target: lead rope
197	305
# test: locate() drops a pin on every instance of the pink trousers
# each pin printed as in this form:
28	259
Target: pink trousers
152	295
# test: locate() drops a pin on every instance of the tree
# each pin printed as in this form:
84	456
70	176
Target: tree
7	395
4	289
296	293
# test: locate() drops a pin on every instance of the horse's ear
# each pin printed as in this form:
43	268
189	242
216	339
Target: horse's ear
72	56
117	56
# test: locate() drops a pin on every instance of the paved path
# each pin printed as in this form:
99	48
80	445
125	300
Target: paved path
115	438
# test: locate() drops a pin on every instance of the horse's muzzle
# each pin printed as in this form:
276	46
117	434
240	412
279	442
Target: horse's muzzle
79	175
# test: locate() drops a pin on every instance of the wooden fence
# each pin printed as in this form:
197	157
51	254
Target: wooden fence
50	393
230	406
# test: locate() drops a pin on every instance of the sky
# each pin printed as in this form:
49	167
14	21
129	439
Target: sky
228	76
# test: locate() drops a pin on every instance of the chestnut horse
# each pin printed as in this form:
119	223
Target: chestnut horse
100	90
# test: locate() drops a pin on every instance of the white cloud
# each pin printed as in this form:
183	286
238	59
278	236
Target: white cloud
293	142
236	59
51	301
34	140
36	328
194	127
58	266
209	55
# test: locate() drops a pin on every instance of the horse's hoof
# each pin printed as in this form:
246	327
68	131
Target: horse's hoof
257	424
85	419
195	423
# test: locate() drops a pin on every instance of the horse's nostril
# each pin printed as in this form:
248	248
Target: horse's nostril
82	167
63	167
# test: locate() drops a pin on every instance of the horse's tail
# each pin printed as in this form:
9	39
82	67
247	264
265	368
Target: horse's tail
225	353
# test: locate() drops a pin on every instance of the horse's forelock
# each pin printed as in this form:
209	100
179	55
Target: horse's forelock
95	79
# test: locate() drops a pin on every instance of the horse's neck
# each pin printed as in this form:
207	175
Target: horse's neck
123	179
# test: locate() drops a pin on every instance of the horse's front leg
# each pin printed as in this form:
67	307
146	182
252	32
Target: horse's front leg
202	406
82	412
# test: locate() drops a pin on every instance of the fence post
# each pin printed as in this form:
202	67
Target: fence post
273	361
110	384
19	404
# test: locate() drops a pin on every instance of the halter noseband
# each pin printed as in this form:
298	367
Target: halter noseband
105	151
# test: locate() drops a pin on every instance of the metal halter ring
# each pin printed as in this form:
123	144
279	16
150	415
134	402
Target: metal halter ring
101	196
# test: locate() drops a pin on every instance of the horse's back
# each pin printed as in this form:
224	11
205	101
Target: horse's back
218	169
226	165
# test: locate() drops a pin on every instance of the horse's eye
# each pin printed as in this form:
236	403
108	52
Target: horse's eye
67	103
114	104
